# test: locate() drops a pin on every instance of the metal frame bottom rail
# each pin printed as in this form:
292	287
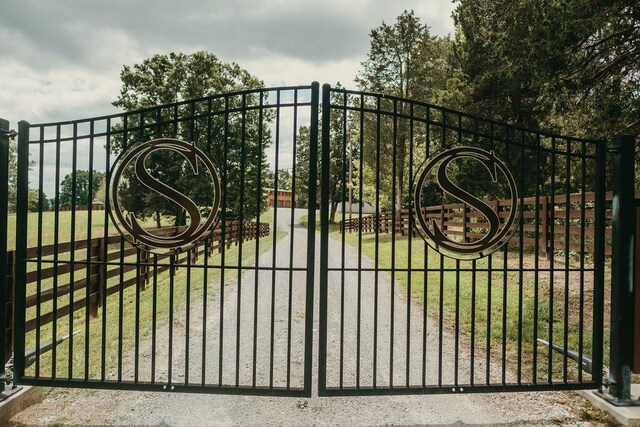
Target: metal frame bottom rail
452	389
177	388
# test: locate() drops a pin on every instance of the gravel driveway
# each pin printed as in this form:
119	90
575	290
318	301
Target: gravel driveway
144	408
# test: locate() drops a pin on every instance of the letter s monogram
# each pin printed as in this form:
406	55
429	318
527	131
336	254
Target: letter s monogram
496	235
137	235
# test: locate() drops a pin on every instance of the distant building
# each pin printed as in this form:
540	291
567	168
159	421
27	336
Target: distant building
284	200
97	204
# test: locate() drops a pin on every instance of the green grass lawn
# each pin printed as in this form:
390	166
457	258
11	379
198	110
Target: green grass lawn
507	321
193	279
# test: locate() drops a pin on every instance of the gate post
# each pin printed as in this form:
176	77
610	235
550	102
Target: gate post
618	391
22	190
5	133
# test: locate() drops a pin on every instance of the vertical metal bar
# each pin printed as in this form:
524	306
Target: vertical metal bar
172	261
409	249
324	235
105	250
360	231
88	266
598	262
223	236
622	286
505	252
241	229
472	363
311	245
377	248
343	234
488	349
4	210
187	315
440	320
257	252
552	223
291	233
275	239
72	253
154	320
583	184
121	308
39	251
425	254
190	254
536	273
22	189
521	255
205	275
456	351
56	238
472	354
395	214
136	365
567	220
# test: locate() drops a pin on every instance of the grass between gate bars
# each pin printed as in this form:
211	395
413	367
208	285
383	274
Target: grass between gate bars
514	318
128	306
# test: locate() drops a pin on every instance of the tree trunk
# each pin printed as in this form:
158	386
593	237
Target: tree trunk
334	208
181	218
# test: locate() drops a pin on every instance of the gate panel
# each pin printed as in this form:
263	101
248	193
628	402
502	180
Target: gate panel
120	286
456	252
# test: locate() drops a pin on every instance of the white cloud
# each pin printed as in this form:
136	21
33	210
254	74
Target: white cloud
60	62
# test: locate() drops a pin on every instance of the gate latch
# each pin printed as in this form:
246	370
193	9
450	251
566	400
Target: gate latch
10	133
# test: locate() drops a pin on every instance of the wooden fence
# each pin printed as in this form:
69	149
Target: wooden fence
459	220
98	275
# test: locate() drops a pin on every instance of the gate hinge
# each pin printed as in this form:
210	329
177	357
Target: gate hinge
10	133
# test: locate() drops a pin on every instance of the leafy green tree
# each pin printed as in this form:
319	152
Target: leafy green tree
33	201
237	148
569	65
302	165
340	151
13	175
84	195
284	179
406	61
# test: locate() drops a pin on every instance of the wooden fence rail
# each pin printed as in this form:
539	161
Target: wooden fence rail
97	269
459	220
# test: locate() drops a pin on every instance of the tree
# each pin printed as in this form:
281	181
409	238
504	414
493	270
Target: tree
340	152
404	60
166	79
13	176
284	179
569	65
33	201
83	195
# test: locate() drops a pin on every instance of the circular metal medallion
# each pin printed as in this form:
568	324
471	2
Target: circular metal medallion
495	226
126	221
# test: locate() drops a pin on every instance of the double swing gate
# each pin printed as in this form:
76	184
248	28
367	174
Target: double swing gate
173	248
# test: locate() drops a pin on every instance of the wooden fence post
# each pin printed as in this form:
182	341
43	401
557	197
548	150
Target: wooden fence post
545	226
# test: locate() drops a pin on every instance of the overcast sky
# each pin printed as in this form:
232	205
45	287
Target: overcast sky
61	60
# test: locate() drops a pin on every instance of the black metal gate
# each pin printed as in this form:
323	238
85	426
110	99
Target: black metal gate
461	252
114	290
456	252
